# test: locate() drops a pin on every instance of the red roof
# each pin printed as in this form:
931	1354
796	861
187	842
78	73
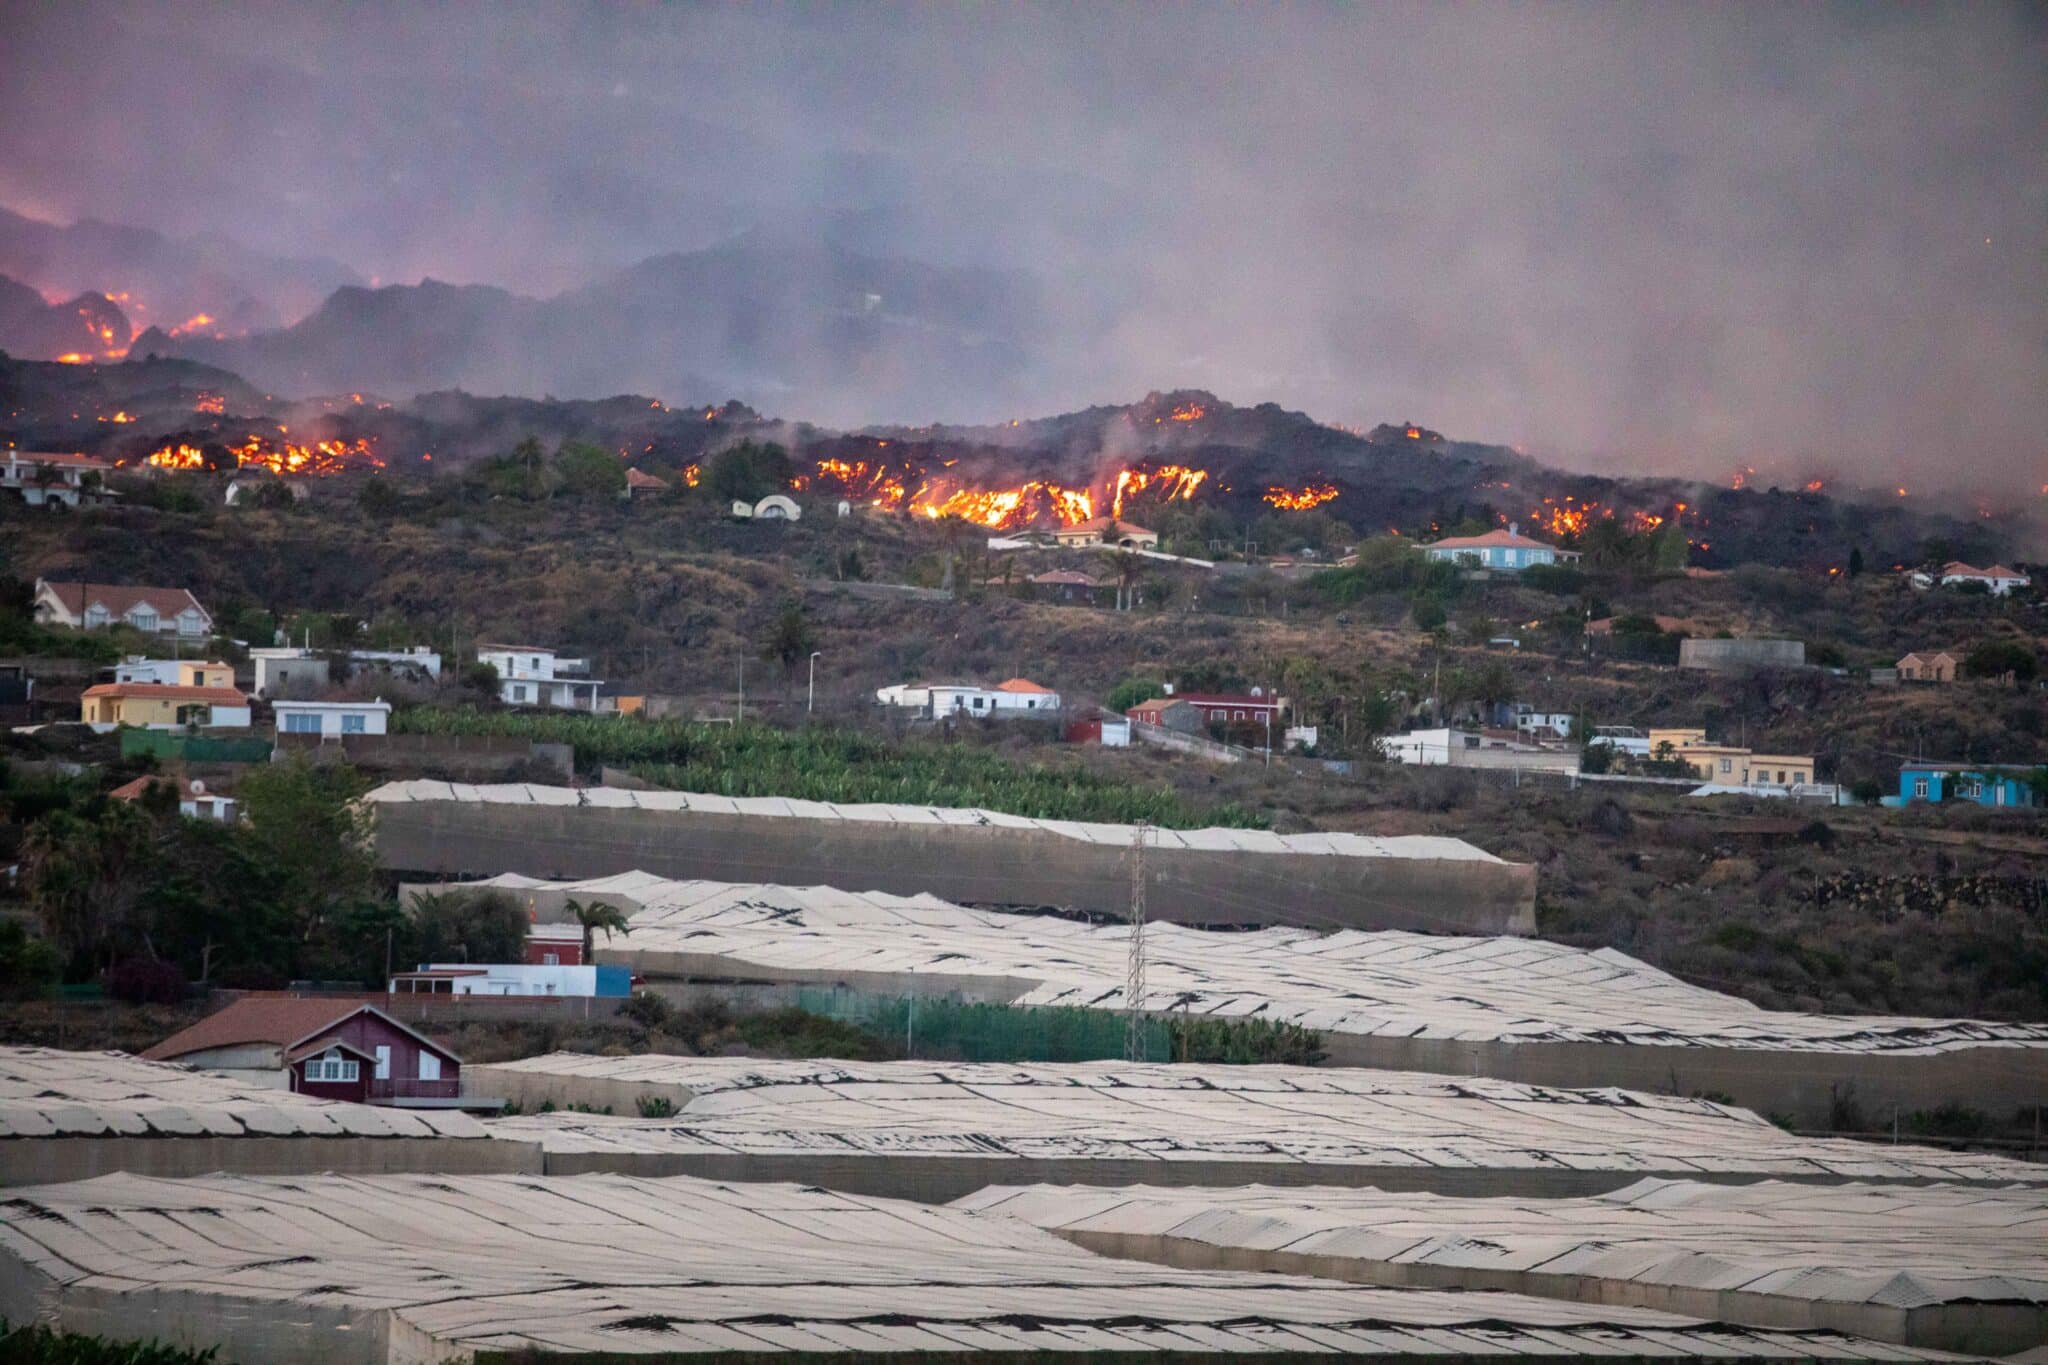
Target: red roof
283	1020
286	1021
188	790
1223	699
1957	569
223	696
119	598
1023	685
636	479
1491	540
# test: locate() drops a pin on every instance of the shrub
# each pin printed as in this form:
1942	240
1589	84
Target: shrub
655	1107
28	966
646	1009
1561	579
146	981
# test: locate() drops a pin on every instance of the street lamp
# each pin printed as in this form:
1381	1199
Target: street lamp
811	691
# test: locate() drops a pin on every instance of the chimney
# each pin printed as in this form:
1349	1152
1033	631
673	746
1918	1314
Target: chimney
1168	687
1514	528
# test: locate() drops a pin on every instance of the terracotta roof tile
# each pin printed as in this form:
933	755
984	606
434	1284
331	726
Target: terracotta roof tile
278	1019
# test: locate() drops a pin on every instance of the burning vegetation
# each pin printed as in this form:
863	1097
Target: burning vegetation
1301	499
316	458
900	485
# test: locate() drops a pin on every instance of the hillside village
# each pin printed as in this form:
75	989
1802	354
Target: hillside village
483	832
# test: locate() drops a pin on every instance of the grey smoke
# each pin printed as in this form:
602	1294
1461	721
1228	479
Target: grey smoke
1662	237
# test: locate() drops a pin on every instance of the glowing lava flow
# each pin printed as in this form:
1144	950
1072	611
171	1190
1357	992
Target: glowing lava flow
1301	499
318	459
893	487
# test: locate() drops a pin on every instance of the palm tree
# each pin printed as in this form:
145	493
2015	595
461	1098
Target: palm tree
593	916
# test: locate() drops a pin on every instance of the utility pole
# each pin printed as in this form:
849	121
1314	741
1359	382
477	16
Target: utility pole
811	690
1134	984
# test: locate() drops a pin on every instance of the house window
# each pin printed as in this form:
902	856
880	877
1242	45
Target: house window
352	725
383	1071
1920	788
143	618
551	959
521	692
97	615
1727	765
332	1068
301	723
430	1067
978	701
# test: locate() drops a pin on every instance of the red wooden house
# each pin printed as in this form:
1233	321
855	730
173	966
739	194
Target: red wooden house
338	1049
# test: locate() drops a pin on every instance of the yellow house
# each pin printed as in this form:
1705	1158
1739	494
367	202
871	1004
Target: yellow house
193	674
162	706
1729	765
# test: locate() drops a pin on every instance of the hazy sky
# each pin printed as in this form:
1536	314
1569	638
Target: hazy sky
1667	236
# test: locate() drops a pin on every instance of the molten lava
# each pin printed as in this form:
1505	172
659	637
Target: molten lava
900	486
1301	499
211	402
318	459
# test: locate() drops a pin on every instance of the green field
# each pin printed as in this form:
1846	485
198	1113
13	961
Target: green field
830	765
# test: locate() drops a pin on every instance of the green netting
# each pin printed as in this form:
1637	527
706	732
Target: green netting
193	748
960	1030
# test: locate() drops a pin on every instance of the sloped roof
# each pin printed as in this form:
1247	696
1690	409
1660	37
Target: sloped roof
224	696
1379	983
1495	539
57	457
1064	578
119	598
281	1020
1023	685
1855	1243
1409	1125
630	1268
636	479
188	789
83	1095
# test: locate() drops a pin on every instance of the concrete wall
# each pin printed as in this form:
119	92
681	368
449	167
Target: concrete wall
974	864
245	1331
1740	656
43	1161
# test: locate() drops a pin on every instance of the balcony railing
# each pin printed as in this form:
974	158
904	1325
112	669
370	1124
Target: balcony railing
405	1088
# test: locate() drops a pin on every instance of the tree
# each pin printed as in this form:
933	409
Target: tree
87	880
1428	612
593	916
589	471
748	472
467	926
1867	791
1855	561
1998	659
1596	758
309	833
790	640
28	966
1132	692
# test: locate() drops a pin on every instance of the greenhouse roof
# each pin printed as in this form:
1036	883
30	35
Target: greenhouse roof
467	1264
1388	983
1164	1114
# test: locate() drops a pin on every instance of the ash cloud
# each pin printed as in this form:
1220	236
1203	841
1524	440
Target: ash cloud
1667	238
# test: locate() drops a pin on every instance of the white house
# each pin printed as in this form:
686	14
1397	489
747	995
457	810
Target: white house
513	978
419	661
1509	550
1623	739
194	800
774	507
1998	580
332	719
174	672
1542	724
48	478
94	606
1017	697
529	675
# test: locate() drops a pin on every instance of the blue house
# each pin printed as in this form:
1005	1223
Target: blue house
1987	784
1509	550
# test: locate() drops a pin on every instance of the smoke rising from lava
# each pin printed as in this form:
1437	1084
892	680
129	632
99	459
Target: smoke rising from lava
1649	238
